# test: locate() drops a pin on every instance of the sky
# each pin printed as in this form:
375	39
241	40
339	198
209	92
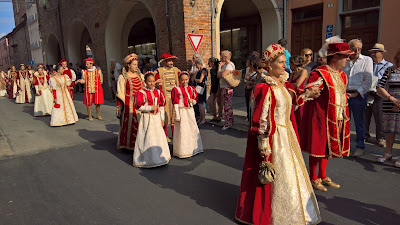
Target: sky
6	18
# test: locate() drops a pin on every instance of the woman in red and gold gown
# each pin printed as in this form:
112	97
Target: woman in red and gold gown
273	136
130	82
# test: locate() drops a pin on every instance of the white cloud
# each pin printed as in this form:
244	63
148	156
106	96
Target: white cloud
2	35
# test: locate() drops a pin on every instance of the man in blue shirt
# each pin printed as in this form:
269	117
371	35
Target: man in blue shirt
374	102
283	43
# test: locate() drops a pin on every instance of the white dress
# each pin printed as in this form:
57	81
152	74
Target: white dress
66	113
187	140
151	146
3	90
24	85
293	198
43	102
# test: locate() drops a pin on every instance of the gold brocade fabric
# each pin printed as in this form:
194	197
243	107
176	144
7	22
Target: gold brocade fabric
91	80
170	80
340	94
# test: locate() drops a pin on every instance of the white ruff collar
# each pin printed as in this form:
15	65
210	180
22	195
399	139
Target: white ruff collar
269	80
91	70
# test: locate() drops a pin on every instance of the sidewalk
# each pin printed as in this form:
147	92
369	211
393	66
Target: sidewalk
371	152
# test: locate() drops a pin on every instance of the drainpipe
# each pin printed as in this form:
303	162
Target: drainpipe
285	19
61	30
212	28
168	26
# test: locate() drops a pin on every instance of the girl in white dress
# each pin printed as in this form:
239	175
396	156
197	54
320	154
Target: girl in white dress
187	139
151	146
44	97
3	87
63	112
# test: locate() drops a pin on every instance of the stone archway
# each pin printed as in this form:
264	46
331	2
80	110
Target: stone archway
52	50
271	28
122	18
79	39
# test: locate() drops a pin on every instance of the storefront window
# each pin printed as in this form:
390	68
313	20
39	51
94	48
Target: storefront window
364	19
235	40
349	5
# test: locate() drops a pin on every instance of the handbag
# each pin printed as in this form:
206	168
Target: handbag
266	174
233	79
200	89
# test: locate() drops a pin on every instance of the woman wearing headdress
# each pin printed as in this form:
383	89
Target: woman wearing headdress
44	97
151	147
63	112
128	84
24	92
12	83
187	139
272	136
3	86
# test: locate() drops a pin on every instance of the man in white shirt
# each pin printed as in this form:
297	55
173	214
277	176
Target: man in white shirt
359	72
375	103
116	71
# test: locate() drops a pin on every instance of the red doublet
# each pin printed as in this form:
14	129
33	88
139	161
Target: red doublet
321	132
93	89
149	96
188	93
71	86
254	202
37	79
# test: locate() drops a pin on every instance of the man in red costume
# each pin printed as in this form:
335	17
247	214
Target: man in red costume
325	130
93	79
167	77
71	74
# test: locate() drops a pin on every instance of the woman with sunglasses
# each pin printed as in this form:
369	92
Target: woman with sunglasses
307	55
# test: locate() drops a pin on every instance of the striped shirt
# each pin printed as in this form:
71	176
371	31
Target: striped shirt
391	82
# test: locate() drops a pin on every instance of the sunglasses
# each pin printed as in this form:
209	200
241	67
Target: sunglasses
308	55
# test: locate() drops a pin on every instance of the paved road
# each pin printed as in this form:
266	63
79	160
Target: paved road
74	175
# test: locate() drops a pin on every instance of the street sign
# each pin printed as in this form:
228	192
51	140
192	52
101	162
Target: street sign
195	40
329	31
31	62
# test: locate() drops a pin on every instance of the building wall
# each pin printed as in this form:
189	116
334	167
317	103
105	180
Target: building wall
389	34
4	53
34	34
20	52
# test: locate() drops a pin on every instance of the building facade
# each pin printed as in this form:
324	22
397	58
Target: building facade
34	34
310	22
18	39
5	61
113	28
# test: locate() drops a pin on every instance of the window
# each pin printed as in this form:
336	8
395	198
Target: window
349	5
361	19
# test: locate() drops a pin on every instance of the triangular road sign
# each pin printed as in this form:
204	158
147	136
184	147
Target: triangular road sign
195	40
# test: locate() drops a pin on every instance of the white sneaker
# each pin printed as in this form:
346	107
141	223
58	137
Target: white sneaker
226	127
358	152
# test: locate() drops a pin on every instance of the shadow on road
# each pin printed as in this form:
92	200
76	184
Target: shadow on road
106	141
28	108
364	213
216	195
230	132
226	158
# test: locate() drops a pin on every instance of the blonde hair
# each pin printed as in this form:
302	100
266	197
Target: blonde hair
227	54
396	59
303	52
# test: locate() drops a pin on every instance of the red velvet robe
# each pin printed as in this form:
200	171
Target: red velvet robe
254	202
96	96
320	134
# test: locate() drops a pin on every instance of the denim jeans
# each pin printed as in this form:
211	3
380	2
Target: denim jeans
357	106
374	110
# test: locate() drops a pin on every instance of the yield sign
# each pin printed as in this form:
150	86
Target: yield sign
195	40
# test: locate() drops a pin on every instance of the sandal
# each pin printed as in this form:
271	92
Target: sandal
383	159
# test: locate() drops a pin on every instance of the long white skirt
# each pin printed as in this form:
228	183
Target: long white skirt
66	114
43	103
3	93
25	90
187	139
151	146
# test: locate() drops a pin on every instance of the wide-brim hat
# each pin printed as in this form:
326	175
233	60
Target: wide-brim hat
167	56
339	48
378	47
88	59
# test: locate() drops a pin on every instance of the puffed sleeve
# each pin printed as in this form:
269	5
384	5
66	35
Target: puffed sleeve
194	95
68	81
73	75
121	90
162	103
175	101
100	76
140	102
262	115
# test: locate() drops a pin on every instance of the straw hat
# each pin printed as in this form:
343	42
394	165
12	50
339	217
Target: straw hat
378	47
